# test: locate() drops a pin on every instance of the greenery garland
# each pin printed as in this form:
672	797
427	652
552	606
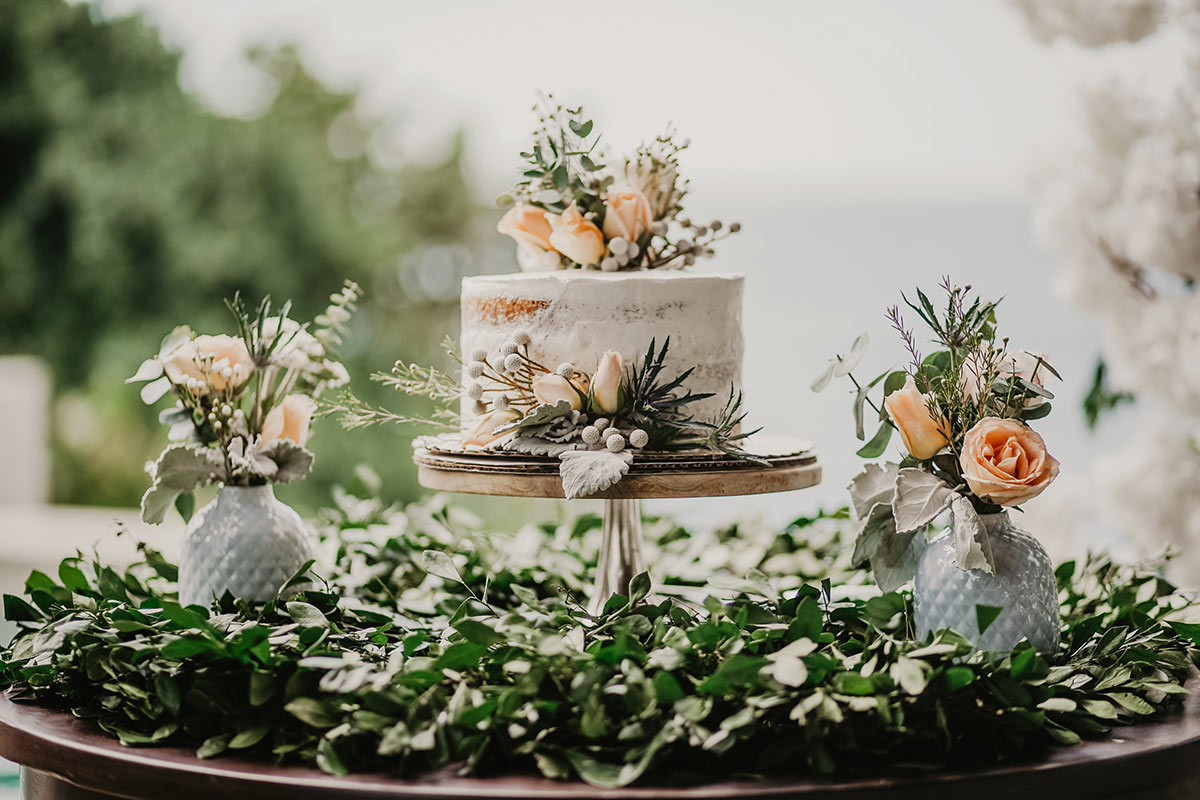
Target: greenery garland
405	657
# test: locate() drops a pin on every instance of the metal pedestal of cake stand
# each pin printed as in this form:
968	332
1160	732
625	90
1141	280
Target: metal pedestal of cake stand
788	464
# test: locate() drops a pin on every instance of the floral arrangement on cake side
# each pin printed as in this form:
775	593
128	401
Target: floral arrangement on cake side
593	422
575	208
963	414
243	402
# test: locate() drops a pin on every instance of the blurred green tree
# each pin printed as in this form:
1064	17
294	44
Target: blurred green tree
126	208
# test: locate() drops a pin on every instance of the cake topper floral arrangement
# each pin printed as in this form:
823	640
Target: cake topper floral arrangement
243	403
963	414
574	208
593	422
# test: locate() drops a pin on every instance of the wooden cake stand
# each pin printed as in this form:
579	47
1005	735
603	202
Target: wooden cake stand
790	464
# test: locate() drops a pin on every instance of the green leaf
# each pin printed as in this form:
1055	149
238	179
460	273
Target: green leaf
214	746
1131	702
808	621
312	711
559	176
878	444
249	737
894	382
666	688
17	610
306	615
328	759
985	615
478	633
185	504
460	656
73	578
958	678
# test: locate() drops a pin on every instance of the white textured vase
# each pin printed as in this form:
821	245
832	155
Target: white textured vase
1023	586
245	541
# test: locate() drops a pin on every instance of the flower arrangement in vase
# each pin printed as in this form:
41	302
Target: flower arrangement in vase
241	417
571	210
963	414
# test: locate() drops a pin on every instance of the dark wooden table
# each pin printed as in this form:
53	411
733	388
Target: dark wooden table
64	758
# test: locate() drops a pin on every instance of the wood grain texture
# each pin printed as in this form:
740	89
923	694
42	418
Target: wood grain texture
65	755
791	464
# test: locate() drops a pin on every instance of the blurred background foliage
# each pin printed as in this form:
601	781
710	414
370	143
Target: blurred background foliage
127	208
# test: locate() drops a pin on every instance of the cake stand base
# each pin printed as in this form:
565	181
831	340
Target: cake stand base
621	558
784	464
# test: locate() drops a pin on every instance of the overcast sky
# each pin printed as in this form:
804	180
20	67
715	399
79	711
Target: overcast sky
846	100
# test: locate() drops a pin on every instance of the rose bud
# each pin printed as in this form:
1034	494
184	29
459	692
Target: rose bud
606	385
575	237
922	435
627	215
484	432
289	419
551	389
528	225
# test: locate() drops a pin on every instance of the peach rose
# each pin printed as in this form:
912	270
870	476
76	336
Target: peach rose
606	386
289	420
551	388
1005	461
484	432
528	225
575	237
922	435
627	214
219	362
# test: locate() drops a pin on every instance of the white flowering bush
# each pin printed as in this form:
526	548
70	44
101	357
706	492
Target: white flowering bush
1123	210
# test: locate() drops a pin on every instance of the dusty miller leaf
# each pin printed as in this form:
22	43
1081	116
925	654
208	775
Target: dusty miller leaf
292	461
533	446
972	547
920	497
539	416
157	500
187	467
586	472
875	484
893	555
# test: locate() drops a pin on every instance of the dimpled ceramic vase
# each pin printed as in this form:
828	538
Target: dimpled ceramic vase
1023	586
245	541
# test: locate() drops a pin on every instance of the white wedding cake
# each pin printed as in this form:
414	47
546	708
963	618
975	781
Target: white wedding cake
576	316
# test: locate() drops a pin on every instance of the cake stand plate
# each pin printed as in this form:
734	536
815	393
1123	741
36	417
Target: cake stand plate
65	758
790	464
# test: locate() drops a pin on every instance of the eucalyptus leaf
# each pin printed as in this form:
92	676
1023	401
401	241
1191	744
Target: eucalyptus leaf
851	360
822	380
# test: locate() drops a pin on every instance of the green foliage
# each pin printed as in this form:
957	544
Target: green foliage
427	643
1100	398
127	208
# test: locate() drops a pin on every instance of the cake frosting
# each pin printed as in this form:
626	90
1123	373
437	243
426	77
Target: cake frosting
573	317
